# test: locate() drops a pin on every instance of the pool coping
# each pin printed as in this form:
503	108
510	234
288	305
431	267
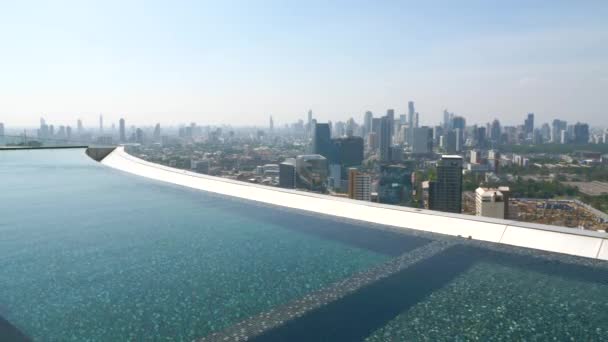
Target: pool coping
536	236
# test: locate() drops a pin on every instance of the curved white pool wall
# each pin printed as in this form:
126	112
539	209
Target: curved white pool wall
548	238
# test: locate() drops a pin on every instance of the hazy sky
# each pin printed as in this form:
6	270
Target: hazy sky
239	61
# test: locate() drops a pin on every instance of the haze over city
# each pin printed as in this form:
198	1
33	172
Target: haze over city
239	62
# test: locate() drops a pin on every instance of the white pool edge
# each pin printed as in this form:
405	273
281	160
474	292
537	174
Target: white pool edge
542	237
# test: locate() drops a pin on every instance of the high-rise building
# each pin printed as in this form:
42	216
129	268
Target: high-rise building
311	172
309	125
271	124
321	140
376	125
385	139
529	124
367	123
79	127
359	185
475	157
492	202
139	136
121	129
395	185
410	122
557	127
287	173
100	123
446	120
450	142
581	133
1	129
68	132
156	134
495	131
347	151
423	140
445	193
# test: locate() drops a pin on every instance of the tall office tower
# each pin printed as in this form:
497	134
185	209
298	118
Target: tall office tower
309	125
529	124
156	134
416	120
450	142
79	127
359	185
121	128
390	113
385	139
321	140
351	126
271	124
395	185
480	137
68	132
347	151
51	131
495	131
446	120
445	193
556	130
459	139
100	123
423	140
581	133
287	173
139	136
492	202
311	172
410	122
367	123
376	123
545	132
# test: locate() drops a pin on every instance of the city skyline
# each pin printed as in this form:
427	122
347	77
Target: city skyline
228	63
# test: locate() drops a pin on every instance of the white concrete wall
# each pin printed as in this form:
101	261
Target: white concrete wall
547	238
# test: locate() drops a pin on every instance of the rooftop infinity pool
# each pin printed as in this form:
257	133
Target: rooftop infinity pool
91	253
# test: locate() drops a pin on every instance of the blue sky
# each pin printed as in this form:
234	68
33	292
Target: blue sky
240	61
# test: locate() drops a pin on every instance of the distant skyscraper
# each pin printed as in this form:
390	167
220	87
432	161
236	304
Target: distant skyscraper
423	140
445	193
271	124
347	151
390	113
395	184
359	185
410	122
309	125
385	139
122	130
529	124
446	120
79	127
139	136
556	130
495	131
367	123
156	134
321	140
2	132
581	133
68	132
100	123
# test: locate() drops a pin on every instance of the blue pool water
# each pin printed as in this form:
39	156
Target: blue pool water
89	253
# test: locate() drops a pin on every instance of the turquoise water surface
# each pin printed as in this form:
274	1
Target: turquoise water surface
90	253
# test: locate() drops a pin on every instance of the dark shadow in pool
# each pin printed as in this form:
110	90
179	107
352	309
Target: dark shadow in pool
9	333
356	316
